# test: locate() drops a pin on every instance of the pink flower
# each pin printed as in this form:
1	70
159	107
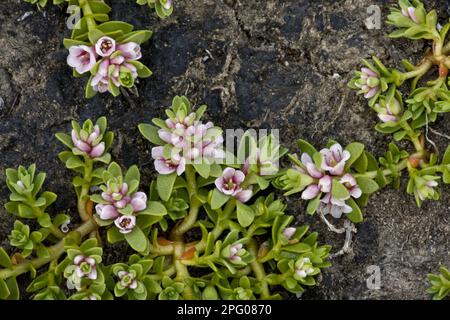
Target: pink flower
389	112
350	183
369	83
234	250
410	12
288	233
127	279
333	206
106	212
166	166
323	182
85	267
139	201
125	224
118	196
105	46
89	145
230	184
130	50
334	159
82	58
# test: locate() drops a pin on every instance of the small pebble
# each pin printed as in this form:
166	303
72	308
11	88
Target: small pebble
31	72
25	16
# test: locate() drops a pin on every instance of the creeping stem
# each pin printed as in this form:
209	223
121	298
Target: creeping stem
87	13
419	71
182	271
83	197
258	269
54	252
387	172
191	218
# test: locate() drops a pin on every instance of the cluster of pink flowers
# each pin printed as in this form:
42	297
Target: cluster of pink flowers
90	144
119	198
333	165
85	267
230	184
191	141
115	60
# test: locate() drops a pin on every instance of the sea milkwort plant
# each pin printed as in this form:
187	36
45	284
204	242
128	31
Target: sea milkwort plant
407	115
207	229
107	52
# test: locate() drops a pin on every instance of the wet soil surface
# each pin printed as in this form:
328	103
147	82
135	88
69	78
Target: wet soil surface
276	64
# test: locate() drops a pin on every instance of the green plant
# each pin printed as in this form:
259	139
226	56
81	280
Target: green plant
440	284
407	116
208	211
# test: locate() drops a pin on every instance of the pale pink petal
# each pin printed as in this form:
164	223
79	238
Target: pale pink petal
338	169
78	259
228	173
139	201
98	150
181	167
356	192
368	72
305	158
244	195
165	135
162	168
157	152
75	136
325	184
387	118
133	285
371	93
310	192
313	171
93	274
239	177
106	212
79	272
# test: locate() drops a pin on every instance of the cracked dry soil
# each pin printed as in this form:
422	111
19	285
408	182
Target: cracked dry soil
257	64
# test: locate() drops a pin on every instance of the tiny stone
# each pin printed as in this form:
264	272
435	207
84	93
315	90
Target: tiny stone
31	72
286	63
336	76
